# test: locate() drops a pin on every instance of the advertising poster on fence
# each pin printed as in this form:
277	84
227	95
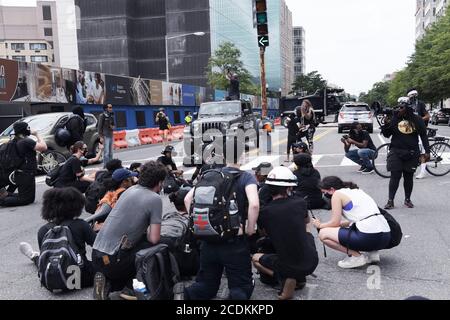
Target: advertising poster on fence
91	88
9	74
172	94
188	96
156	92
118	90
200	94
140	92
70	79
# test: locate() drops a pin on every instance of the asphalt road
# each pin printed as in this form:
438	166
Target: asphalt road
419	266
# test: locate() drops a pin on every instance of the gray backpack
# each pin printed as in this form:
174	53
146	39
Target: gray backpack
174	229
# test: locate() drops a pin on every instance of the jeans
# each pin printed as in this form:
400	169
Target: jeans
108	151
26	185
235	258
362	157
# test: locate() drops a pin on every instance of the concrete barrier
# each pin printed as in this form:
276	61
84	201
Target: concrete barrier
132	138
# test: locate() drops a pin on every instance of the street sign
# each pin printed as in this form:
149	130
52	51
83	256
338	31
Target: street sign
263	41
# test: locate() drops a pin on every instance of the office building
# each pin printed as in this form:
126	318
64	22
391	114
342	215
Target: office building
299	52
427	12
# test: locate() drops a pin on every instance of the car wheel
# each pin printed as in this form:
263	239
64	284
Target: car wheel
340	129
49	160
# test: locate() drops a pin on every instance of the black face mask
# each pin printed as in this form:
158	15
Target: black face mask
327	195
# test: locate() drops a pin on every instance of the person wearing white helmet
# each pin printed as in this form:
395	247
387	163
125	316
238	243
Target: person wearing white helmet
285	220
420	110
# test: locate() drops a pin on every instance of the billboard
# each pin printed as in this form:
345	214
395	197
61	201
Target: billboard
90	88
188	95
156	92
118	90
9	74
140	92
172	94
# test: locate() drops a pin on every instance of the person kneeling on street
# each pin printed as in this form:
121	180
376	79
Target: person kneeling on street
285	221
133	224
366	149
63	207
365	230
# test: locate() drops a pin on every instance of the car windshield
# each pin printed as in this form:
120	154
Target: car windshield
446	111
355	108
209	109
40	123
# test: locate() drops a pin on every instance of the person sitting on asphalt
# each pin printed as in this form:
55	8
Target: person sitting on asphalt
308	182
284	220
133	224
167	160
121	180
365	230
366	148
261	173
298	148
72	173
64	206
135	167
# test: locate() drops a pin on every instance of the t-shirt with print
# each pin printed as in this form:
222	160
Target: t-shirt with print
136	209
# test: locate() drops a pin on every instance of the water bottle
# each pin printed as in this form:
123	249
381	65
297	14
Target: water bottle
140	289
234	216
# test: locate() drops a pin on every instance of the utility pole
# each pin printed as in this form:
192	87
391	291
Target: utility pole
262	51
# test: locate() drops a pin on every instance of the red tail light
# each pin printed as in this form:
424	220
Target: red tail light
341	114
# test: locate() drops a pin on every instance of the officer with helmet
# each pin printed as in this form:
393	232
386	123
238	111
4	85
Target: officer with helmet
285	220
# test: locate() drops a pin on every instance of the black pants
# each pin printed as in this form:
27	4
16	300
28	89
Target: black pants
26	185
408	182
234	257
291	140
121	269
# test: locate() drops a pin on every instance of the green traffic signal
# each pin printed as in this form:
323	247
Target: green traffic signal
261	17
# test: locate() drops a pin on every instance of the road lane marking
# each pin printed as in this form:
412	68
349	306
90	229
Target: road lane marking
346	162
381	139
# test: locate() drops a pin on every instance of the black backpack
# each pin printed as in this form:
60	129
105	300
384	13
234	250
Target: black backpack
396	230
63	126
59	255
214	212
157	268
95	192
53	176
10	159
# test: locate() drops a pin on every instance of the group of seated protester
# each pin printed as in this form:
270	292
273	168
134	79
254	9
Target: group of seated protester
128	217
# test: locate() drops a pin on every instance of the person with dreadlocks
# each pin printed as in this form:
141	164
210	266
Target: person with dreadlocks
403	159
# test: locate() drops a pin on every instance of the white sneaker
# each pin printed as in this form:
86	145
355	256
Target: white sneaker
372	257
353	262
27	250
421	175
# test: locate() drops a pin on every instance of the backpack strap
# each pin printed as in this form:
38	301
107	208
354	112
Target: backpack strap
353	227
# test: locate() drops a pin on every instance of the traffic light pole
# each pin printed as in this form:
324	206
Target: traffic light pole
263	81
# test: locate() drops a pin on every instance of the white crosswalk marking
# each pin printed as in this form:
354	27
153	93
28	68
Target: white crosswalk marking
346	162
316	158
254	163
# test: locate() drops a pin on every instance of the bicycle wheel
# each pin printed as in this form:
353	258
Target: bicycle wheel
379	161
49	160
439	164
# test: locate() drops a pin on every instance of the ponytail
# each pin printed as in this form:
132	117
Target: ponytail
350	185
336	183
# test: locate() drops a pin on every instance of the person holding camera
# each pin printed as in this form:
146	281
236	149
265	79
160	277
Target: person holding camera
366	148
233	90
164	124
307	124
404	128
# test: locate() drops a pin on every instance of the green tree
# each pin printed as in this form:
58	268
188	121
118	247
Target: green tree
379	92
308	83
228	57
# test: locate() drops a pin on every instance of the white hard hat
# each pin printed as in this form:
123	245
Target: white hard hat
282	177
413	93
403	100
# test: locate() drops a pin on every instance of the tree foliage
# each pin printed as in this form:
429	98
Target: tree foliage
308	83
379	92
228	57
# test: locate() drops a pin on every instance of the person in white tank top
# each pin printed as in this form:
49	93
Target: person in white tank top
356	224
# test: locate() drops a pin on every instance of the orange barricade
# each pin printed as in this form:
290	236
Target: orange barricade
177	132
155	135
145	136
120	141
277	122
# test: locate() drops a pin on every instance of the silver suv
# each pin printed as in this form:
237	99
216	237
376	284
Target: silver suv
353	112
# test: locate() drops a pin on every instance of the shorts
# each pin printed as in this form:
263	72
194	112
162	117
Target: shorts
356	240
163	131
394	163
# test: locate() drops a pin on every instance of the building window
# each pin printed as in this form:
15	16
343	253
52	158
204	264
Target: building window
17	46
48	32
47	13
140	119
39	59
38	46
121	119
19	58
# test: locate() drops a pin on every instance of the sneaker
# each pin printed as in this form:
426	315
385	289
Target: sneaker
178	291
128	294
362	169
367	171
101	287
353	262
409	204
27	250
373	257
421	175
389	205
288	289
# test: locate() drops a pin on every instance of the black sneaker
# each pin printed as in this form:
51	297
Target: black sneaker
409	204
101	287
178	291
389	205
362	169
367	171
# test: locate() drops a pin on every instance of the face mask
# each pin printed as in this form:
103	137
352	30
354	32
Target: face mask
327	195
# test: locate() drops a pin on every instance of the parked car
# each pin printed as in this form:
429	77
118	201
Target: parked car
440	116
352	112
45	125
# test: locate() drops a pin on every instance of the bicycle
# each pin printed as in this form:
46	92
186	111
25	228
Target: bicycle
438	165
49	160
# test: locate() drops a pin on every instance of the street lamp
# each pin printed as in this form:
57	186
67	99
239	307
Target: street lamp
198	34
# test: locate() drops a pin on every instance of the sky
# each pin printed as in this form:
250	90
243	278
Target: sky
355	43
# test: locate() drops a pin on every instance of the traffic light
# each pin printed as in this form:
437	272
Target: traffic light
260	9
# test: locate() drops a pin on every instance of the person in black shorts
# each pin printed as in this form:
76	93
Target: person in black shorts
164	124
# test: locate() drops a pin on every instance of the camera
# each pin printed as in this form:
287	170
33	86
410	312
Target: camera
345	137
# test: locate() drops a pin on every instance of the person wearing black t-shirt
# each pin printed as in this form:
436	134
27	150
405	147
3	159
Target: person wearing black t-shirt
293	130
163	122
63	207
233	90
72	173
24	176
366	148
404	128
284	220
